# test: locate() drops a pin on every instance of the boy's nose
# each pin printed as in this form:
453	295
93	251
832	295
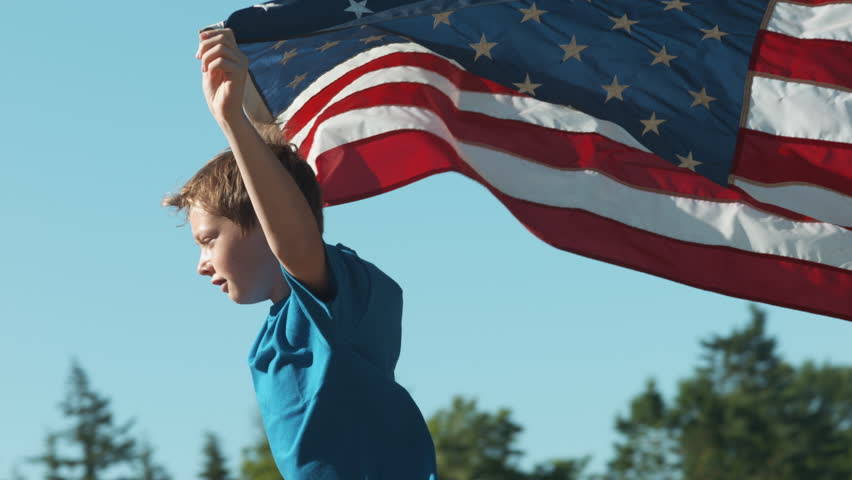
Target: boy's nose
204	267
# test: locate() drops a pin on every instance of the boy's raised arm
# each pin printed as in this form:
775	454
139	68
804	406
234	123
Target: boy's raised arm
285	216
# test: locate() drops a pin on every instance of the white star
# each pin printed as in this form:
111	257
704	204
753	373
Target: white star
443	17
328	45
527	86
701	98
374	38
614	90
572	50
652	124
266	6
358	8
296	81
688	162
675	4
483	48
713	33
532	13
288	55
623	23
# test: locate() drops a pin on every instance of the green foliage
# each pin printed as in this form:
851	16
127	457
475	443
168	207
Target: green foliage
53	463
471	445
258	463
100	443
567	469
649	451
474	445
146	468
215	467
745	413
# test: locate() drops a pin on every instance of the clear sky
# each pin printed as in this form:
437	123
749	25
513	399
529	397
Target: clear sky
102	114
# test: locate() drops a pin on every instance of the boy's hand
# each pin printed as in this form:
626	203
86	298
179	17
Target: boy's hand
225	69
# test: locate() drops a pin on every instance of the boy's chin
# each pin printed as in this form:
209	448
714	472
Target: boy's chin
244	300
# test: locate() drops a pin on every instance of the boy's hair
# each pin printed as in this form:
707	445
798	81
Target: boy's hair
218	188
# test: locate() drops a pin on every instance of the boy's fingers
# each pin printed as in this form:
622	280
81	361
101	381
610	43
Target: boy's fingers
217	52
208	43
227	33
224	65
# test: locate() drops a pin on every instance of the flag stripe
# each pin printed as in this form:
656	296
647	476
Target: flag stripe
772	159
712	267
818	202
796	151
777	106
827	21
395	113
816	2
317	95
496	105
703	221
812	60
577	151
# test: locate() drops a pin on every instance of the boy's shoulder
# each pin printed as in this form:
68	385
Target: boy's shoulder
346	261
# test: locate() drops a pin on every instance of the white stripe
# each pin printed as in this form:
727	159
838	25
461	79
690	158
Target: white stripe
704	222
800	110
340	69
816	202
506	107
828	22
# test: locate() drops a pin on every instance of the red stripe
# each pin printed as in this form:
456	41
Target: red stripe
364	169
460	78
576	150
767	158
800	59
817	2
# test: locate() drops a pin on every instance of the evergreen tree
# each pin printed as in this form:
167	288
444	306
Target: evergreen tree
51	459
472	445
744	413
648	451
732	415
146	468
215	467
569	469
100	443
16	474
258	463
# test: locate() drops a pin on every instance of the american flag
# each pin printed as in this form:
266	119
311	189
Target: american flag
708	142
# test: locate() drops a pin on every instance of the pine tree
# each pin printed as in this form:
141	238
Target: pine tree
51	459
258	463
649	450
146	468
99	442
744	413
214	461
471	444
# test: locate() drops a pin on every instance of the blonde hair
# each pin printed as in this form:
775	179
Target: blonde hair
218	188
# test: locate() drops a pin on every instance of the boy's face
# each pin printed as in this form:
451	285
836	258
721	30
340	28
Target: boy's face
244	262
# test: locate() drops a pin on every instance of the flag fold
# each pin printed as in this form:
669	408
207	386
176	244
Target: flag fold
707	142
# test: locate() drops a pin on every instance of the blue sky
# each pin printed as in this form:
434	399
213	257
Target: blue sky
103	114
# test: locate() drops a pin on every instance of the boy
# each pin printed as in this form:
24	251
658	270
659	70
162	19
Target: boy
323	362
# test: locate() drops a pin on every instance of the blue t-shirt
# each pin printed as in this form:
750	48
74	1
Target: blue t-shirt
323	374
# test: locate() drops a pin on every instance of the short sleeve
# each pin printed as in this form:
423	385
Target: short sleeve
364	307
349	293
